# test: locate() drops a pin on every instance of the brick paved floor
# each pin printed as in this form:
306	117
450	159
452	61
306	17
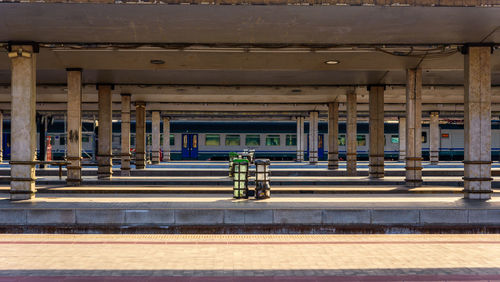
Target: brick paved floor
239	257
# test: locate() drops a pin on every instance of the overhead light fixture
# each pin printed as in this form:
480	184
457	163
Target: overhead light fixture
19	53
332	62
157	62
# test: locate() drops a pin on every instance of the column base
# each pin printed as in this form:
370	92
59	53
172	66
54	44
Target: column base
22	196
333	166
477	195
22	190
155	157
74	176
140	161
125	172
413	182
351	165
73	182
104	172
376	175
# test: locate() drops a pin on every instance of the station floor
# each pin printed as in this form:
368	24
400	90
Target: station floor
279	165
224	201
149	257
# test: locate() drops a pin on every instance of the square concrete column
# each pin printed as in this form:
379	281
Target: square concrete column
377	140
74	127
1	136
333	135
125	140
313	137
23	126
352	141
105	149
477	123
434	138
140	135
402	139
300	139
166	139
413	127
155	131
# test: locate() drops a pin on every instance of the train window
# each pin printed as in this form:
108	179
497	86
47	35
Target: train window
291	140
52	140
252	140
341	140
85	139
394	139
210	140
361	140
232	140
62	140
272	140
424	137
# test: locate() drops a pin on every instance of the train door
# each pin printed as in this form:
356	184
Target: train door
189	146
321	146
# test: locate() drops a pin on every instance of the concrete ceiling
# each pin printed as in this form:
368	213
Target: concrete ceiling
240	24
249	46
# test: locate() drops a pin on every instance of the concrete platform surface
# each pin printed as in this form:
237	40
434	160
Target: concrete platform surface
150	257
278	168
456	181
164	211
227	189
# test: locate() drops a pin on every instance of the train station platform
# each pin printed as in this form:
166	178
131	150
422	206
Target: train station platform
211	177
278	168
219	213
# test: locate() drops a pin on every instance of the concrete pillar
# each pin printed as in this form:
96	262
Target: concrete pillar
125	136
1	136
402	139
313	137
477	123
155	132
333	135
23	127
376	106
413	127
105	153
434	138
74	127
300	139
352	141
166	139
140	135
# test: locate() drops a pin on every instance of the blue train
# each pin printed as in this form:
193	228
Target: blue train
210	140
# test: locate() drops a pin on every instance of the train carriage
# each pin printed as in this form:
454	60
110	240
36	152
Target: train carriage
209	140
